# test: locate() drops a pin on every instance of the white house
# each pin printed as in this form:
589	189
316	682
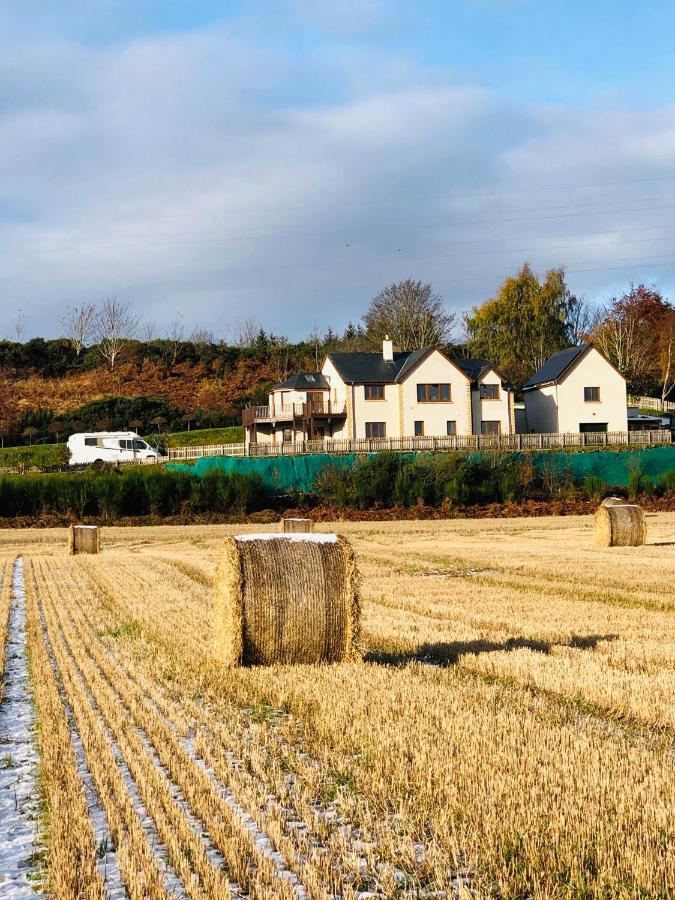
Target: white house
385	395
576	390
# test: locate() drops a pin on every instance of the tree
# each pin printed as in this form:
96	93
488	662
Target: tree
188	418
411	314
30	433
79	324
136	424
175	338
116	325
246	332
210	400
159	421
524	323
633	332
667	355
20	326
55	428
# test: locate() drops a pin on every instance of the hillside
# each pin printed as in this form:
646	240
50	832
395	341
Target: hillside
43	382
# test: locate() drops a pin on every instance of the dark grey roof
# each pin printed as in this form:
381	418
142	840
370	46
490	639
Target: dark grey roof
555	367
304	381
475	367
371	368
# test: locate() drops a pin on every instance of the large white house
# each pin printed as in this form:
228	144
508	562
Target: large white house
576	390
385	395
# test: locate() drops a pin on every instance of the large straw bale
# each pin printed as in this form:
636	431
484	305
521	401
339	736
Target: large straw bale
620	526
286	598
296	526
83	539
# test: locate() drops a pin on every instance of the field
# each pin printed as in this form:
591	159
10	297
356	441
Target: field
508	733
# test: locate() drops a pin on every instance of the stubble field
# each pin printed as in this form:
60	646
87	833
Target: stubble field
509	731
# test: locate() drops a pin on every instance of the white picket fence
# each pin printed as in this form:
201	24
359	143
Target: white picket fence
655	403
414	444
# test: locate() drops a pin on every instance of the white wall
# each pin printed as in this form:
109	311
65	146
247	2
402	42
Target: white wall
491	410
592	371
386	410
436	369
541	407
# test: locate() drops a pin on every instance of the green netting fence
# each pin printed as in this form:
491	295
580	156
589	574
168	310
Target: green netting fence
290	474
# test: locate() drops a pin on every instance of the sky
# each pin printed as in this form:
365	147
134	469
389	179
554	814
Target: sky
283	161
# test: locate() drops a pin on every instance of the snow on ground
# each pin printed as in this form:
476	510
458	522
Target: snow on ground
19	762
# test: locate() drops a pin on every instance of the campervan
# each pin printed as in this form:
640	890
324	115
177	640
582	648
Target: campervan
109	447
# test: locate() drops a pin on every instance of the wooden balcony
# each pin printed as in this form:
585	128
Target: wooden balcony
295	412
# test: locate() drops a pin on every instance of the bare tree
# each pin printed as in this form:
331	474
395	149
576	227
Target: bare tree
411	314
149	330
79	324
116	325
246	331
667	341
281	358
176	338
20	326
583	319
621	340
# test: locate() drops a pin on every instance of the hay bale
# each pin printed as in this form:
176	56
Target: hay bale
613	501
83	539
289	598
620	526
297	526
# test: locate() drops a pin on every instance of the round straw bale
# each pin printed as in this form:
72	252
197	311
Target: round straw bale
83	539
620	526
613	501
287	599
295	526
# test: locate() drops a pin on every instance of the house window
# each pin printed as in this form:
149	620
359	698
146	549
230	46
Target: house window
374	391
419	429
434	393
489	392
591	394
491	427
451	427
376	429
287	435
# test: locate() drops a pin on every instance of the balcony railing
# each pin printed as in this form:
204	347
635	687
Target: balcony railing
507	442
293	411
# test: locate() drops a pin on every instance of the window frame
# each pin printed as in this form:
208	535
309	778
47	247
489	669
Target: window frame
371	426
490	433
493	387
591	388
451	427
377	388
427	392
419	433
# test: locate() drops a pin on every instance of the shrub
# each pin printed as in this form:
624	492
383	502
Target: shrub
594	487
639	483
667	482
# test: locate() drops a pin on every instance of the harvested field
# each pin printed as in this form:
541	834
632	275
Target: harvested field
509	731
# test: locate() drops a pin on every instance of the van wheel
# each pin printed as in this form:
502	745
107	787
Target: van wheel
97	463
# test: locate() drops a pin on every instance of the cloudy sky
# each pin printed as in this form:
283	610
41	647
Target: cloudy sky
286	159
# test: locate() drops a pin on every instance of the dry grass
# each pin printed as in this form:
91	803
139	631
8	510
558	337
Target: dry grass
510	727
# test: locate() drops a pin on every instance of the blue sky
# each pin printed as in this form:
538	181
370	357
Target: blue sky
285	160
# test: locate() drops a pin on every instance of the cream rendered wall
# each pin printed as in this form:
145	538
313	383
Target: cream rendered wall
491	410
340	393
376	410
541	410
436	369
592	371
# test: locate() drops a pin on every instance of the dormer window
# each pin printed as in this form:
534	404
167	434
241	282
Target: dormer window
310	378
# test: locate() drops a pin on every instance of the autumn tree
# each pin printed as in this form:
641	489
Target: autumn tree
410	314
635	333
524	323
210	400
79	324
116	325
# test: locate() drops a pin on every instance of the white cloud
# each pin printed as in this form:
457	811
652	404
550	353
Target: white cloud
181	173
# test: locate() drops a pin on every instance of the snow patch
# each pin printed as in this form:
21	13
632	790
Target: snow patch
312	537
19	761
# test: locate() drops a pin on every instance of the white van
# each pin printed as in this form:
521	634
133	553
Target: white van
108	447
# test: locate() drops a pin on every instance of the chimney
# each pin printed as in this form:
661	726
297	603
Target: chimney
387	349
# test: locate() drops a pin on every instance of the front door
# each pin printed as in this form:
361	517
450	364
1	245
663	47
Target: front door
316	399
